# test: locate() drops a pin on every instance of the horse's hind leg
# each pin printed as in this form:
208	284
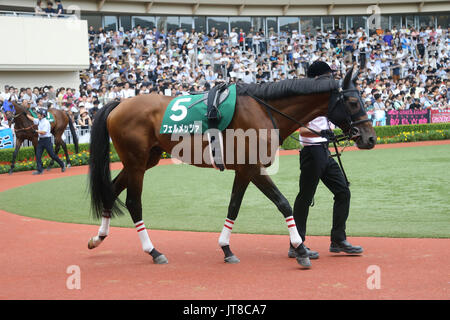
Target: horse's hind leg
119	184
134	206
240	184
266	186
66	153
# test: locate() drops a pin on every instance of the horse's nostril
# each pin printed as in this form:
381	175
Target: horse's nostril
372	140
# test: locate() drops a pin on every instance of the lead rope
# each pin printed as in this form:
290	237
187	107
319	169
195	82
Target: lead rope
338	156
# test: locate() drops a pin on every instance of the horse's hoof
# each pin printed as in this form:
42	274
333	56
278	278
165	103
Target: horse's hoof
10	172
232	259
304	261
49	168
94	242
161	259
91	244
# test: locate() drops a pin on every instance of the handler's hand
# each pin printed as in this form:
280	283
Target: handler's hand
328	134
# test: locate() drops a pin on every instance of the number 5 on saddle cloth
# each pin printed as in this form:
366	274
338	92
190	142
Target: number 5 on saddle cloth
214	109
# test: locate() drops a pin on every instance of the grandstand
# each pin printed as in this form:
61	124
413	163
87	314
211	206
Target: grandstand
98	51
284	15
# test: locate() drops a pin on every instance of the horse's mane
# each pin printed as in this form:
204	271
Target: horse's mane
287	88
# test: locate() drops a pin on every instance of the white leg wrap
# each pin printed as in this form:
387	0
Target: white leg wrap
294	236
224	239
104	227
103	231
147	245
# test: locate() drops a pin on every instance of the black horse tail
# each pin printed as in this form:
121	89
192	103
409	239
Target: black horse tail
74	134
100	184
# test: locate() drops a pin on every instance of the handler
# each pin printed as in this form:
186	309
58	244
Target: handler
317	164
45	141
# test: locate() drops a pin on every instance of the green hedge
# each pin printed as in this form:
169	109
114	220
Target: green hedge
385	134
388	134
27	153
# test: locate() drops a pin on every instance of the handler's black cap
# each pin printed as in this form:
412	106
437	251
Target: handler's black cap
42	112
318	68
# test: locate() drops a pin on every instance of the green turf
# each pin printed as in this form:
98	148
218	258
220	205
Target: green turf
395	193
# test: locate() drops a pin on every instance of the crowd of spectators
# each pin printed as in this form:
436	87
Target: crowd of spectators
400	68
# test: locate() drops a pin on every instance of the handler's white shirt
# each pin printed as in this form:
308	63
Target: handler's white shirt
318	124
43	125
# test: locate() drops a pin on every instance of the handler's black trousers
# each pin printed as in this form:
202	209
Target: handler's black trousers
45	144
316	164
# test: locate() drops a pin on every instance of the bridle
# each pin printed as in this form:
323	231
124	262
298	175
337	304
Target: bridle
338	97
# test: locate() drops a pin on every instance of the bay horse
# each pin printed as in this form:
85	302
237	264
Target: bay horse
134	125
25	130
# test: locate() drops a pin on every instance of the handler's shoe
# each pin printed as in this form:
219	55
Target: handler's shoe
345	246
312	254
36	172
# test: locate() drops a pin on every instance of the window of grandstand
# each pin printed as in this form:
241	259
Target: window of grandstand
187	24
443	20
288	24
272	24
219	23
125	23
427	21
244	23
172	23
307	24
94	21
327	24
355	22
144	22
200	24
110	23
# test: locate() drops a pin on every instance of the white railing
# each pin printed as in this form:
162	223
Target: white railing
82	134
33	14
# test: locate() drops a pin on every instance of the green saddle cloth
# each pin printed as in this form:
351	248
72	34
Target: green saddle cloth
184	114
49	117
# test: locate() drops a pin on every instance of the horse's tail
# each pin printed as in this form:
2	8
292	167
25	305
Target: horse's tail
100	184
74	134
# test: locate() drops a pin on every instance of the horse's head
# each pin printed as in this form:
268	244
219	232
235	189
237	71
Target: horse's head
13	111
346	111
9	112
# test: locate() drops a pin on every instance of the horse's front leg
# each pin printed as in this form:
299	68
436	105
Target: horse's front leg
19	142
266	186
240	184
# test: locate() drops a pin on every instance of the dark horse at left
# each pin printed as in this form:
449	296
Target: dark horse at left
282	107
25	130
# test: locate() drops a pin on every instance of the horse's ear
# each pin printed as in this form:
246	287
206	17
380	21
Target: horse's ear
348	78
355	77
